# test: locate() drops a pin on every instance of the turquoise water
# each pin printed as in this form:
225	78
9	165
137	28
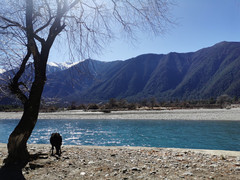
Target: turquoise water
224	135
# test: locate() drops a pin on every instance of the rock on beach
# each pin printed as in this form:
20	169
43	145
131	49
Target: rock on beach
92	162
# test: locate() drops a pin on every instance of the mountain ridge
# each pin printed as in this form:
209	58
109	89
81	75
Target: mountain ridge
194	75
206	73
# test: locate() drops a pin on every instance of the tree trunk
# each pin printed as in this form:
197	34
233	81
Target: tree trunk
17	142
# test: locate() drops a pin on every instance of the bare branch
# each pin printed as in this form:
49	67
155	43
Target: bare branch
41	40
44	26
22	67
74	4
30	32
119	18
12	23
14	84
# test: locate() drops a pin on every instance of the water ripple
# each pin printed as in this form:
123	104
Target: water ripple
223	135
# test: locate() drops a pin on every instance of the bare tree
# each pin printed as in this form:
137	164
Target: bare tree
29	28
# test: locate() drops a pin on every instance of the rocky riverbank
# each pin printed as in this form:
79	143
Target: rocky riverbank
90	162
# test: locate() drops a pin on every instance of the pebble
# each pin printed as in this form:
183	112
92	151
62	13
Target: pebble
237	164
82	173
135	169
153	172
187	174
90	162
214	165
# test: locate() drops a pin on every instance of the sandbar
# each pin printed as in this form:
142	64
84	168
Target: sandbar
232	114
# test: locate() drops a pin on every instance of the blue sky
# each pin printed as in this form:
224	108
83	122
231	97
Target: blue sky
199	24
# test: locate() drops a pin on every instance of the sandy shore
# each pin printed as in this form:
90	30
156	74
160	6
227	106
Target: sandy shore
180	114
91	162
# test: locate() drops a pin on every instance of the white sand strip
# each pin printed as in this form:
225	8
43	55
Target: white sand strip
180	114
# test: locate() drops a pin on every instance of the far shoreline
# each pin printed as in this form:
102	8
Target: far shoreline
232	114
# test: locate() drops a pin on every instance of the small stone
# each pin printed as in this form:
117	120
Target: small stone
116	164
124	170
187	174
44	157
33	149
222	157
153	172
65	157
82	173
175	164
90	162
237	164
237	169
214	165
136	169
108	161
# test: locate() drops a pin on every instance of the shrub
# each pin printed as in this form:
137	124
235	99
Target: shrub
93	106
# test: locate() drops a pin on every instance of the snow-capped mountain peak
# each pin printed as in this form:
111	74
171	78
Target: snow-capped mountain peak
54	66
2	71
63	65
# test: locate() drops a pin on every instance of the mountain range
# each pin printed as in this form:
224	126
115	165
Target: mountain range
206	73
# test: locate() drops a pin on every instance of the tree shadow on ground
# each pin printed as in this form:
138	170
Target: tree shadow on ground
11	172
14	171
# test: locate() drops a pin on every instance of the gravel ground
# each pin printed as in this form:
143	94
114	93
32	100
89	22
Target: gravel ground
91	162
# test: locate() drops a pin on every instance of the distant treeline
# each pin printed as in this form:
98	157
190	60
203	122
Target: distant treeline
11	108
223	101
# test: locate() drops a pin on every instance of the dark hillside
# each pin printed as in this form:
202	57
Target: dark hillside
207	73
